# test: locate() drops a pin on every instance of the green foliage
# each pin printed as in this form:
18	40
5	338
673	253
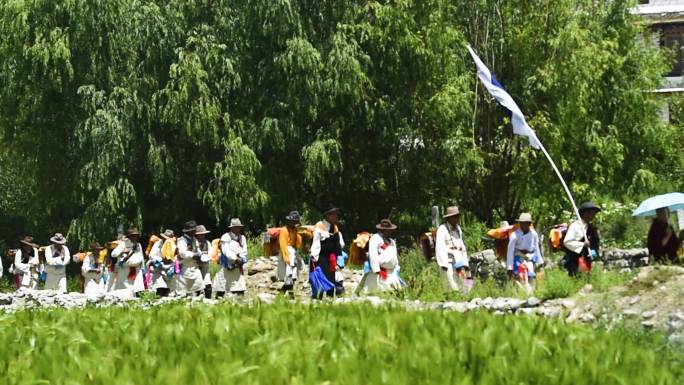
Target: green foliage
558	284
151	112
249	345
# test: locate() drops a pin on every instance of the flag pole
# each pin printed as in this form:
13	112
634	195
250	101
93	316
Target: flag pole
553	165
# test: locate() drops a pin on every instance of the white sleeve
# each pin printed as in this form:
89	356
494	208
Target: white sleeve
574	239
155	253
225	244
373	256
48	257
85	267
316	244
116	253
137	258
183	251
440	246
510	254
18	265
341	240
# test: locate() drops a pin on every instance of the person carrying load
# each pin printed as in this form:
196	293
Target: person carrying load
233	256
524	252
92	269
130	260
289	241
57	256
162	264
450	251
582	241
26	264
326	248
383	260
204	248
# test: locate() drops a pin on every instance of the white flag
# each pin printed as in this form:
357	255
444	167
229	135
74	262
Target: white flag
495	88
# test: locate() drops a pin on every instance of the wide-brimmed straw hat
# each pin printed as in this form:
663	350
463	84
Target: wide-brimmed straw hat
235	222
132	232
168	234
189	226
293	216
586	206
451	211
200	229
58	239
525	217
386	224
28	241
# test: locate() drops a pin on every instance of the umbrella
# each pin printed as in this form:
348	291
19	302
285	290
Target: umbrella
673	201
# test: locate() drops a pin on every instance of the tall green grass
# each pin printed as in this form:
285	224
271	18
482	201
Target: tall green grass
298	344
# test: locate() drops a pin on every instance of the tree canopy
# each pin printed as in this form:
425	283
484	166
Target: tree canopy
150	112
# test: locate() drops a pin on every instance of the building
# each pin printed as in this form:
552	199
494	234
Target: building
666	20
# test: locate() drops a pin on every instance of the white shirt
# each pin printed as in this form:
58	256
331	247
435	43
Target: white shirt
574	238
520	241
380	257
90	263
322	231
136	257
448	239
234	246
62	259
187	256
24	268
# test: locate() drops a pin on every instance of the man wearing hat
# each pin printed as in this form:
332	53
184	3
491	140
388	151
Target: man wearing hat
383	259
162	261
289	241
523	252
581	239
191	280
204	247
450	251
130	260
91	270
231	276
57	256
326	247
26	264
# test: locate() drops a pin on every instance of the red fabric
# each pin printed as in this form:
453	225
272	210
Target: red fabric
132	272
17	281
383	274
333	262
583	265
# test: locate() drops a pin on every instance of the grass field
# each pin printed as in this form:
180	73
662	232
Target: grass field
299	344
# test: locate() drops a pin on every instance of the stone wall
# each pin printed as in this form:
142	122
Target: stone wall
623	259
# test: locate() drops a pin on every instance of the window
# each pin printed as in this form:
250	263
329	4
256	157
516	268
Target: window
672	37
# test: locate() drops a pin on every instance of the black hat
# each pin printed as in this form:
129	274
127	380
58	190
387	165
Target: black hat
330	209
189	226
588	206
294	216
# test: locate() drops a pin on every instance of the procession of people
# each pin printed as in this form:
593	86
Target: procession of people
180	266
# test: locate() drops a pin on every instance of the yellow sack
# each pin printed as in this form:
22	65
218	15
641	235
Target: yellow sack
357	250
215	251
168	250
153	239
102	257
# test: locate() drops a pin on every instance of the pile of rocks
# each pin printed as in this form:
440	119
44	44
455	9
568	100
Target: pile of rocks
625	259
484	265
